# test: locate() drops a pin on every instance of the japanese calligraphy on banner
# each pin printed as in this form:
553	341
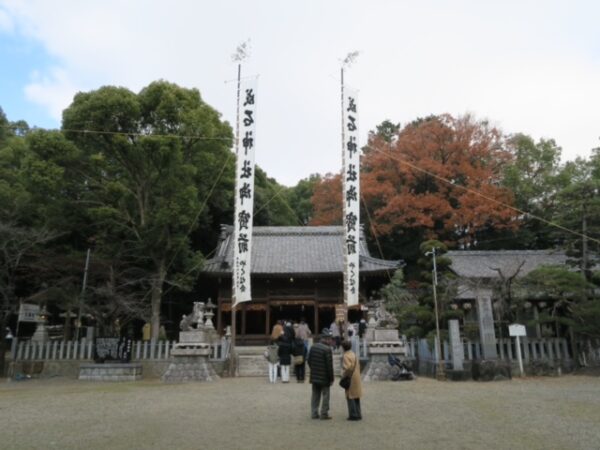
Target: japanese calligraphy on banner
244	193
351	187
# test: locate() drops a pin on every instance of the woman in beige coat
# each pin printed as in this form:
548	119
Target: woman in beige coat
351	368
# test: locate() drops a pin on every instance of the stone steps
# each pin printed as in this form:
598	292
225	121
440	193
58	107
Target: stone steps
252	363
110	372
252	366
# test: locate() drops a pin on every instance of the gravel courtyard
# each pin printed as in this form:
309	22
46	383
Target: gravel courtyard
249	413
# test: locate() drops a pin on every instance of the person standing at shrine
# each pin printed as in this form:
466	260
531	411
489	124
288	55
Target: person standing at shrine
277	330
288	331
303	332
320	362
285	357
354	340
362	328
272	357
335	334
299	352
351	368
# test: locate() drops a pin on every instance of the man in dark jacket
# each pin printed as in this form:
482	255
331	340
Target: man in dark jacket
320	361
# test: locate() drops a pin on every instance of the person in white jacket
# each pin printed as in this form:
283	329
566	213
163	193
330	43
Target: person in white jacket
272	357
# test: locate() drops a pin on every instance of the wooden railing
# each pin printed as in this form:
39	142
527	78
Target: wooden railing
84	350
531	349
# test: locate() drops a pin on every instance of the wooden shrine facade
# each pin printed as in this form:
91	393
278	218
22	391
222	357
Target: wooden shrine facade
296	274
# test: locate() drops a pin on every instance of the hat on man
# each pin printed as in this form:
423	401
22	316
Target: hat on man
326	332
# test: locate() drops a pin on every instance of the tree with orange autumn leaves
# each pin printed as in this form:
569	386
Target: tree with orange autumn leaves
327	201
436	178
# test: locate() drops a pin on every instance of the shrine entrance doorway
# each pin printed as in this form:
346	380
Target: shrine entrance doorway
292	311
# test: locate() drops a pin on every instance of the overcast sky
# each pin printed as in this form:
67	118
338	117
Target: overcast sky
527	66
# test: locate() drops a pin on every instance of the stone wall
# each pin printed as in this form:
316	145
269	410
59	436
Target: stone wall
70	368
428	368
110	372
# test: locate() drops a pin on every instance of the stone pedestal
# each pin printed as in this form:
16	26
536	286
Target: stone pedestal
192	336
189	359
189	368
378	368
41	333
491	370
382	341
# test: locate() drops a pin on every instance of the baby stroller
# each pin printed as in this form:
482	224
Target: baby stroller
400	371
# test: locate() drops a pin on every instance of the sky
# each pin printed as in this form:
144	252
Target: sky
526	66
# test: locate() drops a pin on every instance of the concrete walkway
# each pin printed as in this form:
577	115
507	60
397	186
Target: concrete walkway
249	413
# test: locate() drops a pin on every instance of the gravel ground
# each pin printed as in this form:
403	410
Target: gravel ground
249	413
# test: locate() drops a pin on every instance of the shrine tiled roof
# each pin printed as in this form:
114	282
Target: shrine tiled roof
486	264
482	267
295	250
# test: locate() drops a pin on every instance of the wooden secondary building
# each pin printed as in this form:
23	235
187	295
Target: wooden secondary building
486	270
296	273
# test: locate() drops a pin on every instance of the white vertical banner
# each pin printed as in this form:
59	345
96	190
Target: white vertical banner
244	193
351	188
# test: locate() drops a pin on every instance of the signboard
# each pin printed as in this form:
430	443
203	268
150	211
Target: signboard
112	349
29	313
351	191
516	329
341	311
244	193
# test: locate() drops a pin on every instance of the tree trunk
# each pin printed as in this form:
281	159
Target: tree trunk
584	248
3	323
573	345
157	285
2	357
67	326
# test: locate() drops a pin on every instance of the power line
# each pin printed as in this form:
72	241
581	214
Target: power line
207	256
129	134
374	233
391	156
283	199
475	192
202	206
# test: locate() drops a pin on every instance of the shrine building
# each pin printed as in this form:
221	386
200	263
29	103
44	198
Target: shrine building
296	273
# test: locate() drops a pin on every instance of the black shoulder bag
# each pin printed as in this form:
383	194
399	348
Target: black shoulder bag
345	381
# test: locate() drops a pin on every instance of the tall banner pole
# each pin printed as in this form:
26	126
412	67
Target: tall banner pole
15	341
82	295
244	193
351	189
237	152
345	276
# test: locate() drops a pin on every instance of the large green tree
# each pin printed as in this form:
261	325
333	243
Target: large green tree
271	205
534	176
578	210
413	303
33	211
299	198
568	295
152	162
